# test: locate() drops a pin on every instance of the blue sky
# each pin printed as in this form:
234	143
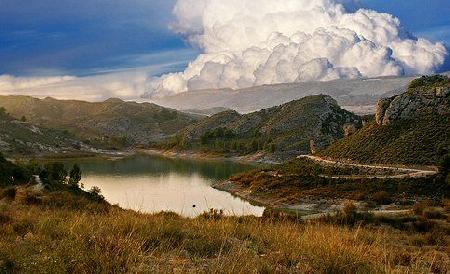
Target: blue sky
83	37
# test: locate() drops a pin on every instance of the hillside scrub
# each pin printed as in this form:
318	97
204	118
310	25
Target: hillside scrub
283	130
112	124
289	183
420	141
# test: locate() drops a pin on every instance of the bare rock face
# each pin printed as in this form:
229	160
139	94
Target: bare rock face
382	105
413	104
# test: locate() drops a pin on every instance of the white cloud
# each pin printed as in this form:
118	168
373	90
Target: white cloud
255	42
128	85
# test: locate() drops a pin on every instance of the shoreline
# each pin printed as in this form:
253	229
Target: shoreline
101	154
253	159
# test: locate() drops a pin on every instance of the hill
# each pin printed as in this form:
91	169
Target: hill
21	137
289	129
113	123
411	128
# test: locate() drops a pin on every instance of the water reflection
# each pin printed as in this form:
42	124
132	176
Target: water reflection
153	184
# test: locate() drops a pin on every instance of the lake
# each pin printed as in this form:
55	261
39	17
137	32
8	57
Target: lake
148	183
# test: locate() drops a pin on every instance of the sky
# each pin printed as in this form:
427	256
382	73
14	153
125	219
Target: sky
82	38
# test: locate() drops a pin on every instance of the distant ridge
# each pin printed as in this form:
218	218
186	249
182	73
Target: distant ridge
112	123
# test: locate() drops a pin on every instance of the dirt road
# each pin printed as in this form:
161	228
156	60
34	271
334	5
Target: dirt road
406	172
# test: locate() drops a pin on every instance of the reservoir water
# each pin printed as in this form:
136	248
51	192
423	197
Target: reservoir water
152	184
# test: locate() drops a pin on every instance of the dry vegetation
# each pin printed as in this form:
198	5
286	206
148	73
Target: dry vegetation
302	179
39	236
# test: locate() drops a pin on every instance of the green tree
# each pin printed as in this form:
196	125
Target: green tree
54	173
75	176
2	112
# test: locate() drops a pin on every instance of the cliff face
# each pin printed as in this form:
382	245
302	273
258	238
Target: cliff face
414	104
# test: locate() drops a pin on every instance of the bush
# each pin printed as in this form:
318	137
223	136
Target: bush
382	198
9	193
433	213
95	194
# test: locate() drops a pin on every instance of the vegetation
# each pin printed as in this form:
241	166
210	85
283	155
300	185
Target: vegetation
423	141
62	232
22	138
110	124
427	83
286	129
303	179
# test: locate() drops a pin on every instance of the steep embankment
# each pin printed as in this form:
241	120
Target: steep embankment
112	122
289	129
412	128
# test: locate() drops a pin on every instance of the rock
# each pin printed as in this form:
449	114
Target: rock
411	105
382	105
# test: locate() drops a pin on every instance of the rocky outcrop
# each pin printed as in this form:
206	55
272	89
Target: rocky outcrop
413	104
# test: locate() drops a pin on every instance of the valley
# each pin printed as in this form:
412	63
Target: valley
175	185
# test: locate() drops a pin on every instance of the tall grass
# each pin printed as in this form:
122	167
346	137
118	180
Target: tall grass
52	239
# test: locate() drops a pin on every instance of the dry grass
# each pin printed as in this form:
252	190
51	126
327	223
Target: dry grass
42	238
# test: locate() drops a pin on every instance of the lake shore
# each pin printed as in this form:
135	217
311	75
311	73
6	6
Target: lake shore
257	158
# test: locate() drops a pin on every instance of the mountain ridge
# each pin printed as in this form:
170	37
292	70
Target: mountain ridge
114	122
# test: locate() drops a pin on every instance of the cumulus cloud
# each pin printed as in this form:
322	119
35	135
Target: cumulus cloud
255	42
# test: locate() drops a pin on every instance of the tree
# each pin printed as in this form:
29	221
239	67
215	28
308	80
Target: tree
57	173
44	176
2	112
75	176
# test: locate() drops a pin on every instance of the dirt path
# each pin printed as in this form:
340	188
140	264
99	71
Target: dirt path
408	172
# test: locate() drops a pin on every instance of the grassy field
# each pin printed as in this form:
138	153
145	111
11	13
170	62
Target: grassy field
60	232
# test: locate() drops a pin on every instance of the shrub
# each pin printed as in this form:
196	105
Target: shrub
433	213
423	225
95	193
9	193
213	214
382	198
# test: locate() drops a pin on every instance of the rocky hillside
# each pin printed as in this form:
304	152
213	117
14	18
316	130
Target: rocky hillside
291	128
413	127
112	123
426	96
21	137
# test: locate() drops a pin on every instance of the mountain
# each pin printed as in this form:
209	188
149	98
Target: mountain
358	95
21	137
289	129
411	128
113	123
